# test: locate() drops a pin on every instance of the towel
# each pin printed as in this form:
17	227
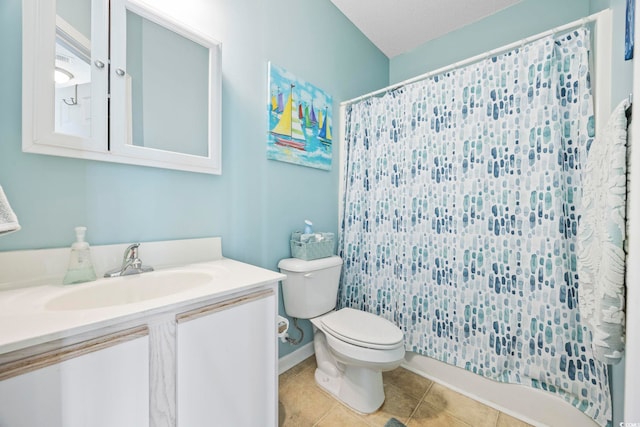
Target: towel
8	219
394	423
601	239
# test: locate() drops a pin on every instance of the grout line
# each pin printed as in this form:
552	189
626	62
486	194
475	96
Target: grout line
428	390
414	411
424	395
325	415
422	399
336	402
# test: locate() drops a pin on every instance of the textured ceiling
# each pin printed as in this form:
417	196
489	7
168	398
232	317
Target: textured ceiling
397	26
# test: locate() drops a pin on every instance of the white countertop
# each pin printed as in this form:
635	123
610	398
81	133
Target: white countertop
26	321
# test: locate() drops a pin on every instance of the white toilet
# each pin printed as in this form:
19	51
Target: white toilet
352	347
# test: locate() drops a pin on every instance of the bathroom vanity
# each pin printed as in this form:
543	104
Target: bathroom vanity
193	345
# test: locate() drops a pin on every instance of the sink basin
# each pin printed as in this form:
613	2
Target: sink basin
128	289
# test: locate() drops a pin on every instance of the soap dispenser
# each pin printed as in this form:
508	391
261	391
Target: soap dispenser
80	268
308	227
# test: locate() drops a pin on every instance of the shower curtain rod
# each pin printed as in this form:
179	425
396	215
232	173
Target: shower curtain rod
484	55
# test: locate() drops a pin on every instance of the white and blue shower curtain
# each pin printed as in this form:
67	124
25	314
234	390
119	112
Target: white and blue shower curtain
460	217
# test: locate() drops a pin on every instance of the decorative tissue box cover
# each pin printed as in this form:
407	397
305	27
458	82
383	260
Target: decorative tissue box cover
311	246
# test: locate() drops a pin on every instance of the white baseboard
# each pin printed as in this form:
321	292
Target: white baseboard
292	359
533	406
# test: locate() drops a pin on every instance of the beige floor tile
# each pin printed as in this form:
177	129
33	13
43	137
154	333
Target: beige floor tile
410	398
430	416
461	407
307	364
306	373
302	402
409	382
505	420
340	416
281	413
397	404
285	377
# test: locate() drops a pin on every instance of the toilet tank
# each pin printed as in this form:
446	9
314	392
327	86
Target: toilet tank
311	287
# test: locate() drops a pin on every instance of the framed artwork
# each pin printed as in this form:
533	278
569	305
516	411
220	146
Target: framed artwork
300	121
629	31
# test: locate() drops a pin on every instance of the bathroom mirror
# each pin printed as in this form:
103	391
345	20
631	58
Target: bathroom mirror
165	86
131	85
72	78
169	88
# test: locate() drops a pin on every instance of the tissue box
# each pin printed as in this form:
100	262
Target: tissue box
311	246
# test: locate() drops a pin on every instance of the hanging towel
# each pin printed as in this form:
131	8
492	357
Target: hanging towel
8	219
601	238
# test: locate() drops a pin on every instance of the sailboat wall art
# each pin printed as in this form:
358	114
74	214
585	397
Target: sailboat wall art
300	121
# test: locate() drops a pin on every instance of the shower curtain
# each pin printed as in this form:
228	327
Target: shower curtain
460	217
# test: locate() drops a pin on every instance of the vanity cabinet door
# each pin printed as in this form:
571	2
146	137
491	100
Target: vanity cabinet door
226	363
102	382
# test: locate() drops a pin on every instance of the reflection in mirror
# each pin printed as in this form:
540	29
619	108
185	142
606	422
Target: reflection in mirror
72	91
167	88
72	81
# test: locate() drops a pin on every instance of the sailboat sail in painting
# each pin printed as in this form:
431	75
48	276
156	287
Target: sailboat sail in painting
288	132
300	128
325	131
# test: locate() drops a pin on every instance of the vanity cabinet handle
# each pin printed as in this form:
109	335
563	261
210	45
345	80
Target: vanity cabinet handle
120	72
99	63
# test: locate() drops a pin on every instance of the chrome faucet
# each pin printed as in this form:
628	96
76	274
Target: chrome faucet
131	264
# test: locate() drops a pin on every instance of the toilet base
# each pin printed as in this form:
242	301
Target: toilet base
358	387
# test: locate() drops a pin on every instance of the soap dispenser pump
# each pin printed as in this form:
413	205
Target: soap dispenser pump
80	268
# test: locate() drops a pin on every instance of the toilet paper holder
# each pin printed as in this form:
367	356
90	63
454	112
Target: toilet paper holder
283	327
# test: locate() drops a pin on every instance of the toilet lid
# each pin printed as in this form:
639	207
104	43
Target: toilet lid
362	329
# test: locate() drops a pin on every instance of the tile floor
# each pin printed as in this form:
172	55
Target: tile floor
410	398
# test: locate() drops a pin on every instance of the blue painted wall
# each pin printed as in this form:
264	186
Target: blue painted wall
521	20
256	203
525	19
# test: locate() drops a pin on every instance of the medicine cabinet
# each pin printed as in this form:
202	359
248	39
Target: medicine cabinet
132	85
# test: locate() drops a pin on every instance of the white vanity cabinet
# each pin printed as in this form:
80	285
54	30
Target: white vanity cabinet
226	363
182	346
102	382
211	362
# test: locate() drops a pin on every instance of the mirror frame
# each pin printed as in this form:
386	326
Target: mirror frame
38	89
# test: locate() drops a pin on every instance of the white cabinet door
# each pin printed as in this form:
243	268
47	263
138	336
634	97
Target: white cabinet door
97	383
226	364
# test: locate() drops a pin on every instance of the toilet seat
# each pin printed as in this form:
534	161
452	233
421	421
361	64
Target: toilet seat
362	329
